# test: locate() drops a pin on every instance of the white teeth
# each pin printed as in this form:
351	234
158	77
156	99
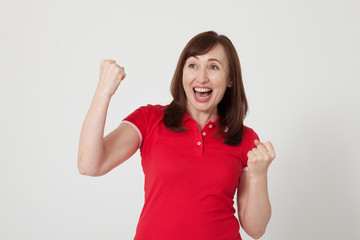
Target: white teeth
202	89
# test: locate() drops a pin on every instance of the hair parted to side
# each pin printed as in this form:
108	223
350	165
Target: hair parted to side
232	108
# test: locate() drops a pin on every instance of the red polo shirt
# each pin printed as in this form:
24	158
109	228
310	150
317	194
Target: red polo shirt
190	179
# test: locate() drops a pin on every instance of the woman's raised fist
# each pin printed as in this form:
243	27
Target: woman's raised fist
260	158
111	74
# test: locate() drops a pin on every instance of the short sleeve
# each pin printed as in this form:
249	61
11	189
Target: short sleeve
249	137
139	121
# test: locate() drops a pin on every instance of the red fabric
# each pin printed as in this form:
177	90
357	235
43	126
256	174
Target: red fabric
190	179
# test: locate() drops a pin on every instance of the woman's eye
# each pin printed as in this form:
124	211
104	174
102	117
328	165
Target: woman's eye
214	67
192	65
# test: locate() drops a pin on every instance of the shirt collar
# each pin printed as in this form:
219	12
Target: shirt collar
215	121
187	117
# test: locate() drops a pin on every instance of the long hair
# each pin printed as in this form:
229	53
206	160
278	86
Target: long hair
233	106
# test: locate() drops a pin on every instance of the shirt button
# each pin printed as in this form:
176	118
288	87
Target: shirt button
204	133
210	126
199	143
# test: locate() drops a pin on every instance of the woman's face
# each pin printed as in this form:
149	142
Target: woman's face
205	79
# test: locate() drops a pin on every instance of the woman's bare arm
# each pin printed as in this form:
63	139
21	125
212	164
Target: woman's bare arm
91	147
98	155
254	209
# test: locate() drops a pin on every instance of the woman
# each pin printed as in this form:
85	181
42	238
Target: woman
195	151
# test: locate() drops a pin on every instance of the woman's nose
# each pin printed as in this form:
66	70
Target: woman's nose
203	75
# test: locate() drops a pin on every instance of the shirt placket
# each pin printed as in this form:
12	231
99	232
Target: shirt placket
200	137
198	144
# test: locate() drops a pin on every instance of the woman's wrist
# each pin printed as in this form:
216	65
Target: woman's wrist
258	177
99	94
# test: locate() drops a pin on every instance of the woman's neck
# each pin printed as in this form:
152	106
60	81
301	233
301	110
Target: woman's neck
202	118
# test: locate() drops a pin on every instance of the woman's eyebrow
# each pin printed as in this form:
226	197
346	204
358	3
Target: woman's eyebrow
214	59
210	59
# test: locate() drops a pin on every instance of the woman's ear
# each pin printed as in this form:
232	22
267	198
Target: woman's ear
230	83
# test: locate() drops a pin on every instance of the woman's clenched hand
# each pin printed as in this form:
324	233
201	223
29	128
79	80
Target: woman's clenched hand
260	158
111	74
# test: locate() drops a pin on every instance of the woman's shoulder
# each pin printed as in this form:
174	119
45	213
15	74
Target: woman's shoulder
152	111
248	132
154	108
247	129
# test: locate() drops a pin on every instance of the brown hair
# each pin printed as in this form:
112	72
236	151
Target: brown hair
233	106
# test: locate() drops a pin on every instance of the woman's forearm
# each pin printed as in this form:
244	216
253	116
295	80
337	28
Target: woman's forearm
91	150
258	209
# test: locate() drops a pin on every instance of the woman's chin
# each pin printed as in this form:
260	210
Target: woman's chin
200	106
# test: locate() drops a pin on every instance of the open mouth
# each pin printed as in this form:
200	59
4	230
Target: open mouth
202	92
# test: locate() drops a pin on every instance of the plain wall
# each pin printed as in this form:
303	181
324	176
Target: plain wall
300	62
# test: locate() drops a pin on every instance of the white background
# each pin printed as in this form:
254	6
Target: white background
300	62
